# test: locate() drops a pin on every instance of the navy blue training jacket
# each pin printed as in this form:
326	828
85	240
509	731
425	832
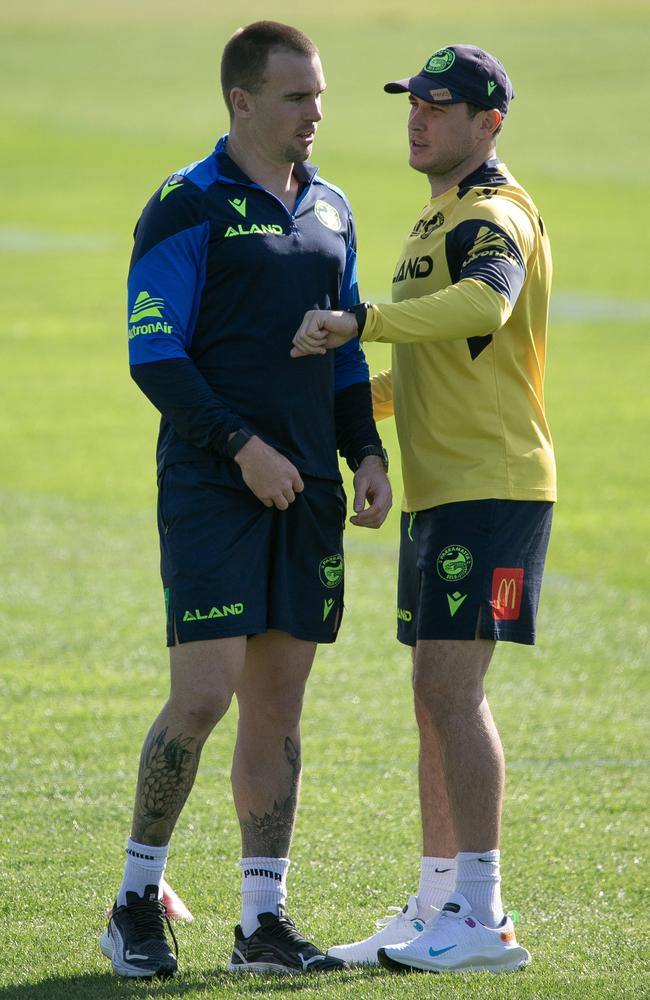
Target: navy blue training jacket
220	278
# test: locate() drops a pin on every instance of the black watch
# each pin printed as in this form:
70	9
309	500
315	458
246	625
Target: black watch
370	449
360	312
237	442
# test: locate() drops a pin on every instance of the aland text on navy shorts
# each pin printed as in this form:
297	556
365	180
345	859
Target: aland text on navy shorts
231	566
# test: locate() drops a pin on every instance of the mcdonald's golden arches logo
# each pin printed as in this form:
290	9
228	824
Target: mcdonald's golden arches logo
507	590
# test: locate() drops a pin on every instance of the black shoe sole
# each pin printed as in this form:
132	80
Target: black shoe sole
390	963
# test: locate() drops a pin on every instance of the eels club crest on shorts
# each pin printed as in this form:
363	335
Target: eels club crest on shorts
454	562
330	570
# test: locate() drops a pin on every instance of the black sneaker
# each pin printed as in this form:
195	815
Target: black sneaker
135	938
276	946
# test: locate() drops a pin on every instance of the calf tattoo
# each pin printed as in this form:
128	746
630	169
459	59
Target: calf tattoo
167	772
269	836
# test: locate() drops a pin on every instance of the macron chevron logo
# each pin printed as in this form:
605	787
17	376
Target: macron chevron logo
146	305
239	204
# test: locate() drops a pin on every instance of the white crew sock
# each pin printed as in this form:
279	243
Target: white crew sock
478	879
263	889
144	866
437	881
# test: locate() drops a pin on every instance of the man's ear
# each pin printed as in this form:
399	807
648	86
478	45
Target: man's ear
491	121
240	102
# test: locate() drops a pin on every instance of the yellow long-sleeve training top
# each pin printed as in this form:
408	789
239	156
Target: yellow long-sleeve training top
468	324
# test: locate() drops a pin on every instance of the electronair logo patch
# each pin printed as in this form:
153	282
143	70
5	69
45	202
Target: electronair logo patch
454	562
148	306
330	570
490	242
441	61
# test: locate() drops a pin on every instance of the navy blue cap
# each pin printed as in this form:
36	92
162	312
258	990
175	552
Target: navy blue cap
459	73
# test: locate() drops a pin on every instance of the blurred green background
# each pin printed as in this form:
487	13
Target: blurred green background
100	104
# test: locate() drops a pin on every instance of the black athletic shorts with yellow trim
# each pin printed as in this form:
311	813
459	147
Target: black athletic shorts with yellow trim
231	566
472	570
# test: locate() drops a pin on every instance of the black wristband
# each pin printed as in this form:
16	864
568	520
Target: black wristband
237	442
355	460
360	312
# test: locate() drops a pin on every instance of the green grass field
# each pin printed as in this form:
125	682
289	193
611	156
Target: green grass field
100	105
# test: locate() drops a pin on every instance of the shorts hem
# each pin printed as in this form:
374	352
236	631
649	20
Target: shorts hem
305	635
249	633
407	642
523	638
181	640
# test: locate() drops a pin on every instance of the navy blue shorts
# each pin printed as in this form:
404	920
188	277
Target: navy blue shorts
472	570
231	566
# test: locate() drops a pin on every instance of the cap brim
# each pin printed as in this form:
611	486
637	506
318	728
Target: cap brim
397	87
424	88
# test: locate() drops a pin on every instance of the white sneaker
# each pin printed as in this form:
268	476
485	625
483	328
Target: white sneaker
393	929
458	942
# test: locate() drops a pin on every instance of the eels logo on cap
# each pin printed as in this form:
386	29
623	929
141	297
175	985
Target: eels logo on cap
441	61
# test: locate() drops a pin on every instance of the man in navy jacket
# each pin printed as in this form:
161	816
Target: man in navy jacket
229	253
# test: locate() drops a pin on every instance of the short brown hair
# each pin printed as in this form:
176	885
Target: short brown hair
245	56
473	110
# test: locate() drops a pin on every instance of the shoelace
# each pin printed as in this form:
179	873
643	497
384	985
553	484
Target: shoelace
398	911
149	920
393	911
286	930
433	919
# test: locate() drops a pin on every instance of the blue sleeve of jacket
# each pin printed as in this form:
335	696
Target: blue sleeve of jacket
350	365
355	424
165	285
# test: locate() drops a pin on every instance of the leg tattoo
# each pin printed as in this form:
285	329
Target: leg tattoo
167	772
269	836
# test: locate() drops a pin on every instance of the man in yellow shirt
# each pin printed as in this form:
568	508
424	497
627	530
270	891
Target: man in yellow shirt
468	326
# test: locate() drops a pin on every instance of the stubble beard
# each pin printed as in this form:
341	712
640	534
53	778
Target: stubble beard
297	154
439	167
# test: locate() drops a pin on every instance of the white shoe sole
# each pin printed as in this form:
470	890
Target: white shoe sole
335	953
498	961
277	970
106	946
